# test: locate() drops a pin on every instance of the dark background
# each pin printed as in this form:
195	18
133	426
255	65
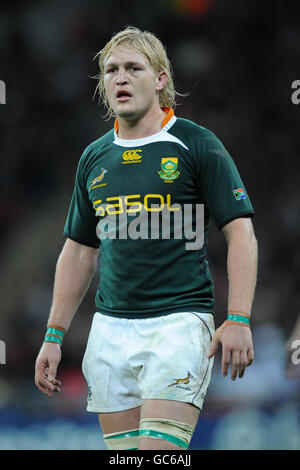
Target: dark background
237	59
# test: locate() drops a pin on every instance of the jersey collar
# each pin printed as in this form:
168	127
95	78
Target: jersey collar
169	114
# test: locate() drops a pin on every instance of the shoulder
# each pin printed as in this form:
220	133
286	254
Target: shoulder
205	147
98	145
93	152
191	133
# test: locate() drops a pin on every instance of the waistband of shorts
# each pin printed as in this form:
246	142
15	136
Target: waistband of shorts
126	317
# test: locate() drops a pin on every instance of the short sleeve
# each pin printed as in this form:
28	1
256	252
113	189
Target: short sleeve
81	220
220	183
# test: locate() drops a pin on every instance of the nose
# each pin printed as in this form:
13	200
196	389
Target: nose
121	77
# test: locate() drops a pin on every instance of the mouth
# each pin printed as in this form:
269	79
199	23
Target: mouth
123	95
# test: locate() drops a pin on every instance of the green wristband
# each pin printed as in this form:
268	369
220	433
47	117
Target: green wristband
239	318
54	335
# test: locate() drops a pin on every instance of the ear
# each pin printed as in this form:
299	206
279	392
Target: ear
161	80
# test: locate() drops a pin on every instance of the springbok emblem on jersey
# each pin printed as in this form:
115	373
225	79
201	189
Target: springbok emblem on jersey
98	179
169	171
185	381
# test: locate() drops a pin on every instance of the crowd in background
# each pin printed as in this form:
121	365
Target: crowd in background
237	61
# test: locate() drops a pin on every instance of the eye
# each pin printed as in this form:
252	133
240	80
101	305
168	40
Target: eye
135	68
110	70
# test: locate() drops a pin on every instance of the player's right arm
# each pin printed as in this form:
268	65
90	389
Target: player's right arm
75	269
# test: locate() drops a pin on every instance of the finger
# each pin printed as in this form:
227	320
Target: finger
250	356
214	345
55	382
235	363
243	363
57	385
52	384
212	350
44	388
40	378
42	383
47	384
52	373
226	356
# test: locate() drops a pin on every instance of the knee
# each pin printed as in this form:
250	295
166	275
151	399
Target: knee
125	440
158	433
154	434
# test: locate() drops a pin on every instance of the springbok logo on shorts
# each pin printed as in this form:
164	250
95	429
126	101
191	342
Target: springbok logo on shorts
132	156
185	381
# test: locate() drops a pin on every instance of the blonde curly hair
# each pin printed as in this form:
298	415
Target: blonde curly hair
151	47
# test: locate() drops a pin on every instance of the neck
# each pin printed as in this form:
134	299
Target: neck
144	126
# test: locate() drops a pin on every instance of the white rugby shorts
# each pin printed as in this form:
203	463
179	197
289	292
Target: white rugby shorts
129	360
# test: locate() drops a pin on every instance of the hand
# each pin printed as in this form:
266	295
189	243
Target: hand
237	347
46	367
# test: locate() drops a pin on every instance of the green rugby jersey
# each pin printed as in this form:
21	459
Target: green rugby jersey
118	181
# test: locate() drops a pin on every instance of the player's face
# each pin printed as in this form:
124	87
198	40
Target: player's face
130	83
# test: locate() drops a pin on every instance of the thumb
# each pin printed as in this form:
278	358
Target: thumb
215	342
52	372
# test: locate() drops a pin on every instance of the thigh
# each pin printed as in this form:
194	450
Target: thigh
120	420
169	410
176	366
112	384
120	429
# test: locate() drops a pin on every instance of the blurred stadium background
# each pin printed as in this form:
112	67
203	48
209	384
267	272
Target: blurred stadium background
238	60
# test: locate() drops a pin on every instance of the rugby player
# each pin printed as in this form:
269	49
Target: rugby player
152	341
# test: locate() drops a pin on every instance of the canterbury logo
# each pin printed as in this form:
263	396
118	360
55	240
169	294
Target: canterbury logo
185	381
132	156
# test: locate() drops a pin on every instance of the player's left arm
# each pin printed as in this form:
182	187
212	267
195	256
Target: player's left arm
235	337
